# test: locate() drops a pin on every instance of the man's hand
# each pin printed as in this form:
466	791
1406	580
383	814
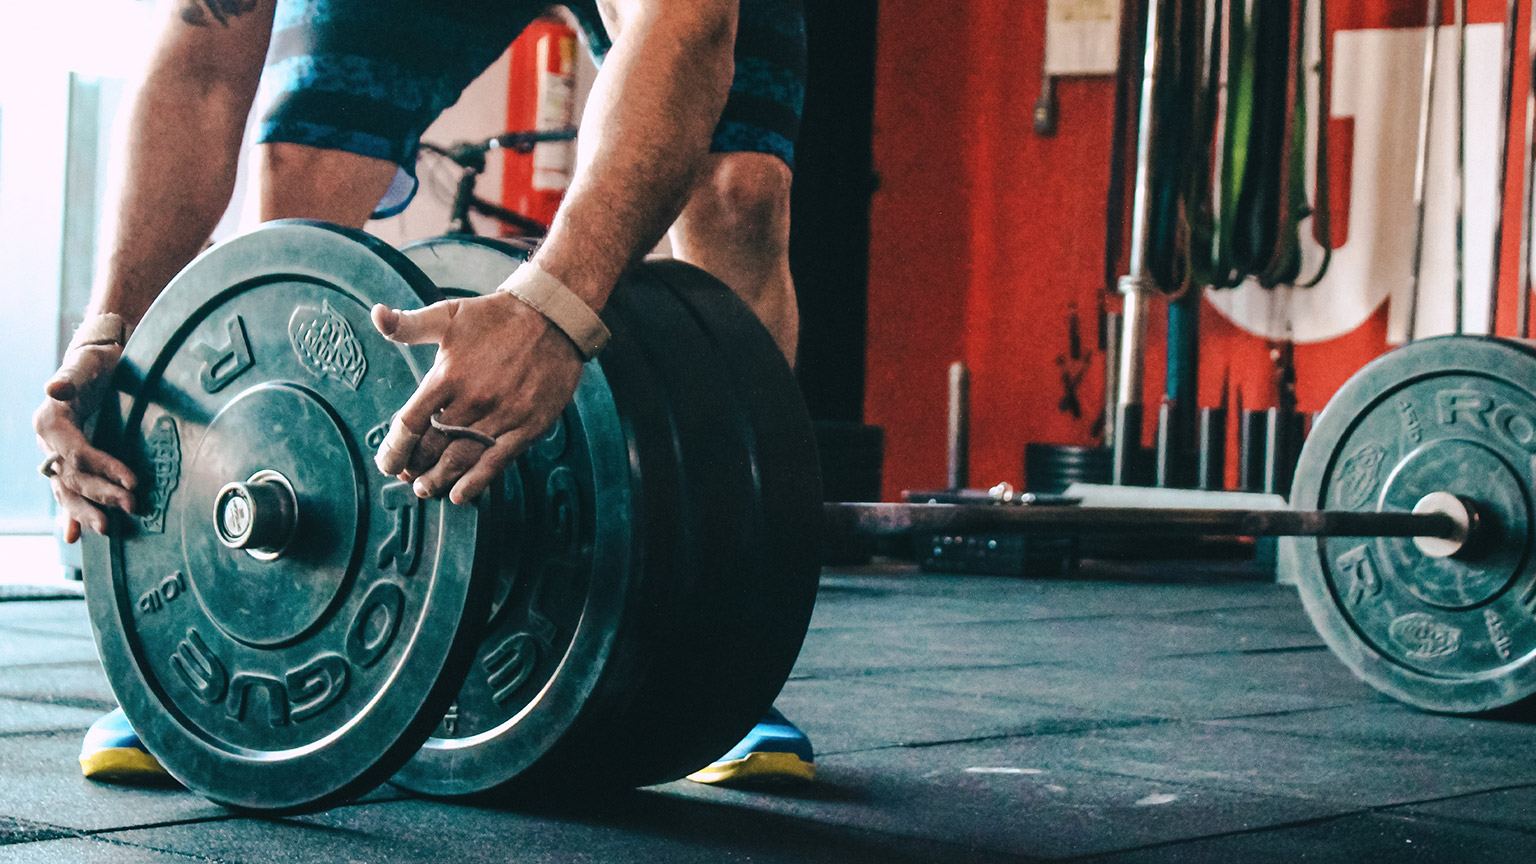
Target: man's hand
502	370
84	480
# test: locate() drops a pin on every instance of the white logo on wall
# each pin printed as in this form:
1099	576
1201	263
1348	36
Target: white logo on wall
1376	79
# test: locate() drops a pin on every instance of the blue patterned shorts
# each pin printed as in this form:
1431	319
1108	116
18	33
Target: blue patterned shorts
369	76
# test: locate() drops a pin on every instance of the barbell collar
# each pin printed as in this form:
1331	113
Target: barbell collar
258	515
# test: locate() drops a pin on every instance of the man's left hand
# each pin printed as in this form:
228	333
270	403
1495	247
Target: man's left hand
501	370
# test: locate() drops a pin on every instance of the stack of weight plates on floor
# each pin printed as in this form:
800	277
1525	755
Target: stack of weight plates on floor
1050	468
286	628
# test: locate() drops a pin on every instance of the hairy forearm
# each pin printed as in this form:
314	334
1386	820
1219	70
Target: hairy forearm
173	175
645	134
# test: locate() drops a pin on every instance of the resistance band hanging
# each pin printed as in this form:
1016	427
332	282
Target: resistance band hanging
1206	266
1175	86
1254	149
1246	196
1284	263
1321	210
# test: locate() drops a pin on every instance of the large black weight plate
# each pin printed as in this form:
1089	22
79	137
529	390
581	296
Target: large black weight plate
673	657
564	590
1455	414
751	503
786	563
296	677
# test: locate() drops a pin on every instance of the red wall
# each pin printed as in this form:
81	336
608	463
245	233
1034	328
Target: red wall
985	238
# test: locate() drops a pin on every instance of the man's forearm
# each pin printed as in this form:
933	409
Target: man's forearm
173	173
645	134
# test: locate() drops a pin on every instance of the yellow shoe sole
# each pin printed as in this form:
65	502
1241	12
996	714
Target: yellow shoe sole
757	767
122	765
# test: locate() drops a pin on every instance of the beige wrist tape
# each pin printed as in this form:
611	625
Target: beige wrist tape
560	305
105	328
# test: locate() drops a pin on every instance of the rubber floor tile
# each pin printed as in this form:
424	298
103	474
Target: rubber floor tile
849	715
1199	687
89	851
1514	809
1350	840
1002	796
23	717
640	827
42	783
1106	642
1351	775
78	684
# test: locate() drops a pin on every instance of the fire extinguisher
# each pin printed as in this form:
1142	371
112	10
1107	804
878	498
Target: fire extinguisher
541	95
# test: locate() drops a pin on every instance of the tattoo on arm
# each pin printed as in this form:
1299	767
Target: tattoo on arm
202	13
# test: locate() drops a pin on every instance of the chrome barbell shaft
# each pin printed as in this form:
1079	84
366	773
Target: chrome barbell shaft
891	518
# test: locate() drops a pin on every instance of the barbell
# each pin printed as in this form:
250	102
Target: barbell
285	628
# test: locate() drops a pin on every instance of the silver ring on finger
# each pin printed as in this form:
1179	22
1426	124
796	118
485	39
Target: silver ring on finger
454	433
50	466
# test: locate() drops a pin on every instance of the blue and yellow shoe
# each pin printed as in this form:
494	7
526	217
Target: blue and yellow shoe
775	750
113	753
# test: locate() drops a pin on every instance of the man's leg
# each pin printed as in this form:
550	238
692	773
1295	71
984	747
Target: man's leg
296	181
736	226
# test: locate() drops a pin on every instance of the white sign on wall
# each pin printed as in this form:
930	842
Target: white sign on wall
1082	37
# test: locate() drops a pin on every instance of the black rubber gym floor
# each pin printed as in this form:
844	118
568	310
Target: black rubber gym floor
955	719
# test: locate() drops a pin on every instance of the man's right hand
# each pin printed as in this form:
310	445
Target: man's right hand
85	480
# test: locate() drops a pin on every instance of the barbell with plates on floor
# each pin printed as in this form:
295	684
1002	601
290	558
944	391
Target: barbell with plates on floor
286	628
625	606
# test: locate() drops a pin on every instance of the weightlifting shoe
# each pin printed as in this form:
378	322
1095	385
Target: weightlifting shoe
113	753
774	751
